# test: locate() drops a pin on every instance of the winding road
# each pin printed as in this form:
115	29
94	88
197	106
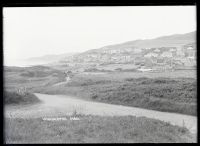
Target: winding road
62	105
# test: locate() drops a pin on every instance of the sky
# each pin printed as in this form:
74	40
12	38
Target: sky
37	31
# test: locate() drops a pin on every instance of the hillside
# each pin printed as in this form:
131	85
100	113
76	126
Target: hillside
176	40
175	50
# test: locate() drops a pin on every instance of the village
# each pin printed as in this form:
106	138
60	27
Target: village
149	59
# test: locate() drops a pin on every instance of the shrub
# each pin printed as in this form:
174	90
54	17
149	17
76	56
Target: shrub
118	69
94	96
172	95
16	98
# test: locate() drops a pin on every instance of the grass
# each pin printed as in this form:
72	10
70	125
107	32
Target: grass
176	92
164	91
18	99
95	129
31	77
162	94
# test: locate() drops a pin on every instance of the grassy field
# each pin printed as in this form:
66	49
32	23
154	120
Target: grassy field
164	91
31	77
95	129
162	94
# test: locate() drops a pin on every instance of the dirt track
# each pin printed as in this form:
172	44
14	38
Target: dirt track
60	105
67	79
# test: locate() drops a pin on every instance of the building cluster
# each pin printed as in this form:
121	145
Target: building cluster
163	57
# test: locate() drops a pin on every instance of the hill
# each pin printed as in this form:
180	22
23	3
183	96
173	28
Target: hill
176	40
174	51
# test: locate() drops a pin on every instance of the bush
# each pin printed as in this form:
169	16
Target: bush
118	69
94	96
16	98
162	94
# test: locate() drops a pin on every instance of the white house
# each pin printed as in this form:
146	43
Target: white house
156	50
145	69
190	48
166	54
172	49
114	58
149	55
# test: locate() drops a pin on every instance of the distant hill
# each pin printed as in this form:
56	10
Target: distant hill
129	51
176	40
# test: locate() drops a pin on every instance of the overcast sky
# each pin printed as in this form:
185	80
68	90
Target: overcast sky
31	32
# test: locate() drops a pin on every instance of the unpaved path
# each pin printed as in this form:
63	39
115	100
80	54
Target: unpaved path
67	79
61	105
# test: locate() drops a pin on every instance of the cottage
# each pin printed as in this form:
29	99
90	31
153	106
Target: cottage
114	58
157	50
149	55
125	58
190	48
172	50
191	57
166	54
144	69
